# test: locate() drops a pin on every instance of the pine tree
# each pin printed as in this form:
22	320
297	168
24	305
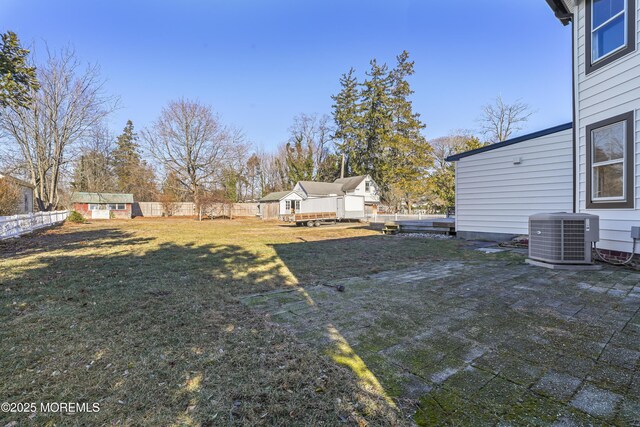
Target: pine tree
346	118
408	157
133	174
375	125
18	81
379	133
126	158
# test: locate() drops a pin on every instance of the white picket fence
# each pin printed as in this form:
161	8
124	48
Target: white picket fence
14	226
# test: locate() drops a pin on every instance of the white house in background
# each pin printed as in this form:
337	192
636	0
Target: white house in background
353	190
605	166
499	186
278	203
362	185
25	204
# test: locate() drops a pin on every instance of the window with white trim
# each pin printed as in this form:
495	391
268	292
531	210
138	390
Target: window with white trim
610	31
610	181
607	154
289	204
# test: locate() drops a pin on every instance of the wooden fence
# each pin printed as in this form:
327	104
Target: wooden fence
155	209
14	226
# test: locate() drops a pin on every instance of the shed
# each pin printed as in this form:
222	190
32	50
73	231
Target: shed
499	186
25	204
269	207
103	205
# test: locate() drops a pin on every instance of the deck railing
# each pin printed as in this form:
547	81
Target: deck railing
16	225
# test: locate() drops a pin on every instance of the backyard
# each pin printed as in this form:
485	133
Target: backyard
179	322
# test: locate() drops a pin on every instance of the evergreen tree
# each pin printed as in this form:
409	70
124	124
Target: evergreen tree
133	174
230	183
441	182
126	157
378	131
347	119
375	125
17	80
408	157
299	160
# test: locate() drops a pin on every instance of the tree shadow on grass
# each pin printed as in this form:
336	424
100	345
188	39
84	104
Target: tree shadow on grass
68	239
156	335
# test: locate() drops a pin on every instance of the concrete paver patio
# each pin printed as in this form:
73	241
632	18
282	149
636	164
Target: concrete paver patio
482	343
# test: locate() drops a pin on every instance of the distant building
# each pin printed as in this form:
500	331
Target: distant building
25	204
103	205
286	202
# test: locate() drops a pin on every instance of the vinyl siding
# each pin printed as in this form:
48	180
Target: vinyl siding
494	195
372	196
283	202
609	91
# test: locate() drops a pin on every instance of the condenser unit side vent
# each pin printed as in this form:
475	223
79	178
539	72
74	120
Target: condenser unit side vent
562	238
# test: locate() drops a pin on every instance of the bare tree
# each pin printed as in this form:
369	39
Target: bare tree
92	168
191	142
457	142
272	174
499	120
69	105
308	154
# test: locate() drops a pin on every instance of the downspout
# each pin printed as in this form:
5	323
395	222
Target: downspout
573	104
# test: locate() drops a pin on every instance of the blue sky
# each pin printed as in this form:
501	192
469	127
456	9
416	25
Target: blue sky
259	63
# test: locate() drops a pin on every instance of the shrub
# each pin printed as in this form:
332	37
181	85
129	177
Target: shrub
9	197
75	217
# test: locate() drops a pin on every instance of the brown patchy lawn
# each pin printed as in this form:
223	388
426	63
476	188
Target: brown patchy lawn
144	317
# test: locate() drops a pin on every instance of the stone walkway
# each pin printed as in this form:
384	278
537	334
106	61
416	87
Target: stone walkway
471	343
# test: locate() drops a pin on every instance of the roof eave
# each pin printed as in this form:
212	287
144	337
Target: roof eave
523	138
561	11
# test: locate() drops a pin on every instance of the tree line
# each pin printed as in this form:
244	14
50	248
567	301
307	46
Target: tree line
54	133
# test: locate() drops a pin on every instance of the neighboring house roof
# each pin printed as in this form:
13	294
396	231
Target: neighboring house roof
275	196
313	188
350	183
101	198
17	181
561	10
513	141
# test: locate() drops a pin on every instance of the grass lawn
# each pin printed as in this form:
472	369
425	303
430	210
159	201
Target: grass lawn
144	317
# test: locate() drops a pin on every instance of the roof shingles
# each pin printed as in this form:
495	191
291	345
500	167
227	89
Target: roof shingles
82	197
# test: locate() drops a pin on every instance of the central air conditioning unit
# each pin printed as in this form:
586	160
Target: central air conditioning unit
562	238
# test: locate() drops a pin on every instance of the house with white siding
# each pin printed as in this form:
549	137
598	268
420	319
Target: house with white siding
362	185
500	185
605	137
353	190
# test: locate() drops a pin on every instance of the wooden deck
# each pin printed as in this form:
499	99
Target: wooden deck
437	226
